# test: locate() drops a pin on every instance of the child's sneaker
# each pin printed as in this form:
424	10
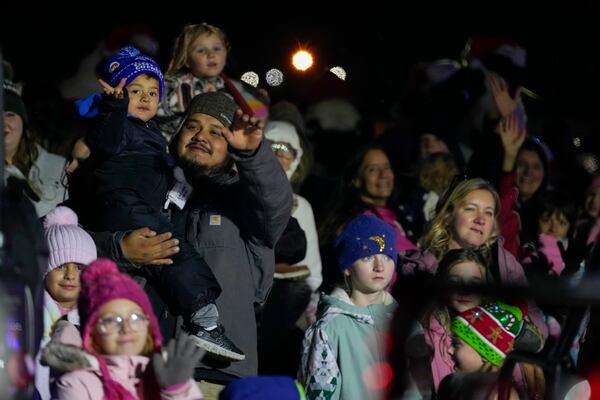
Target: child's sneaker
215	342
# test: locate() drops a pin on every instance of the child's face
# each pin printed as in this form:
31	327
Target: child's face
465	357
143	94
63	284
207	56
121	329
371	274
556	225
467	272
592	202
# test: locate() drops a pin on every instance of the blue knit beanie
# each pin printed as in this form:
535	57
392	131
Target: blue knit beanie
129	63
365	236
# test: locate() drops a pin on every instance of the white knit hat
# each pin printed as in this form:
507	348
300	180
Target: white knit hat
67	242
281	131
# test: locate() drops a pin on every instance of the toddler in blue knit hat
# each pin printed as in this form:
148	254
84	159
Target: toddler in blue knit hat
133	176
343	354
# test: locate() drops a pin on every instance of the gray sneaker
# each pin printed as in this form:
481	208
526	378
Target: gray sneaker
216	342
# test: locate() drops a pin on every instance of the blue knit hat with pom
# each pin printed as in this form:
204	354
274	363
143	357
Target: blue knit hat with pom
365	236
129	63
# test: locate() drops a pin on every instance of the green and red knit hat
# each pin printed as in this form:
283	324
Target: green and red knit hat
490	329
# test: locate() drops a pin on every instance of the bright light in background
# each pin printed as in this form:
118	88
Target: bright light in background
577	142
274	77
251	78
339	72
302	60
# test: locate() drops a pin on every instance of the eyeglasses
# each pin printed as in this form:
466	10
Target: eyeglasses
283	150
114	324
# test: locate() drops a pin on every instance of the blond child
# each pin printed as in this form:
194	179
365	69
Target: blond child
199	57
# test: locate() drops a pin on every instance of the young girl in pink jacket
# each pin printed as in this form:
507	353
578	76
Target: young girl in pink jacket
121	333
461	266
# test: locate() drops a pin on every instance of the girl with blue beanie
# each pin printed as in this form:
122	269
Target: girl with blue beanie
343	352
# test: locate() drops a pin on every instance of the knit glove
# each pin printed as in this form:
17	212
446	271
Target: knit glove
177	362
549	247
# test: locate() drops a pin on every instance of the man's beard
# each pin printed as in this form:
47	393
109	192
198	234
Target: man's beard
200	173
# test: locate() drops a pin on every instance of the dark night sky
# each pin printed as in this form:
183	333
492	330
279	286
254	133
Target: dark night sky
376	42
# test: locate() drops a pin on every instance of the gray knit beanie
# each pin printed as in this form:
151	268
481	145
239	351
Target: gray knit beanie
216	104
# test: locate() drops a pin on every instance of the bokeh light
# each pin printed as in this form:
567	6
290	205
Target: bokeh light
339	72
251	78
377	376
302	60
274	77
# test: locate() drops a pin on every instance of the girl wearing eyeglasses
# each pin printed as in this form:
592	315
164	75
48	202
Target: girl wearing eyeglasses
123	342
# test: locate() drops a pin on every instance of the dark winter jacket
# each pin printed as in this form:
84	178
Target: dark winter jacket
233	222
132	152
234	227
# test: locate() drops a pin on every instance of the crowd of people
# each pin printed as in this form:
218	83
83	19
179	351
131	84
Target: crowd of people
186	261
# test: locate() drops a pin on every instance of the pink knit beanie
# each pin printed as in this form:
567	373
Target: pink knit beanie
102	282
67	242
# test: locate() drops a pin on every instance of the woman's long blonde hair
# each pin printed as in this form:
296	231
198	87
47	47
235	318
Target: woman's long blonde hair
439	230
181	50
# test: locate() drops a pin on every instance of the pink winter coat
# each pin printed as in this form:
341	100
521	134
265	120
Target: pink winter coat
440	341
129	371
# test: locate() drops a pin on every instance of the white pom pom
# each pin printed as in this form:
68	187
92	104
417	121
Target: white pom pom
60	216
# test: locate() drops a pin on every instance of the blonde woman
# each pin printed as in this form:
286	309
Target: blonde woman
467	219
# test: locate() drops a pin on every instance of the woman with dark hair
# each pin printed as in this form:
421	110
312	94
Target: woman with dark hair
367	187
532	181
26	160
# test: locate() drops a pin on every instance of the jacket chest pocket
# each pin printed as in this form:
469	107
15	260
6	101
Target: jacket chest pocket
212	230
